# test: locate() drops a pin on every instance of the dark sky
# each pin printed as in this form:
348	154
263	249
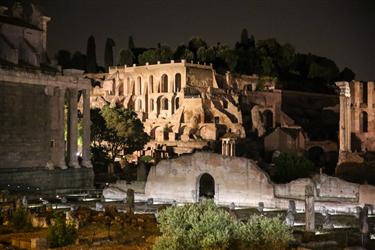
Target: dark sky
343	30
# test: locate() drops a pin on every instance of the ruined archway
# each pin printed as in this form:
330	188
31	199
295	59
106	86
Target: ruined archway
268	119
364	122
164	83
177	81
206	186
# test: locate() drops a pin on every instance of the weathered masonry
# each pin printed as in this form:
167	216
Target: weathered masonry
33	121
357	126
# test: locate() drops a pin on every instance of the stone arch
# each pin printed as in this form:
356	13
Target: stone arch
138	86
177	82
364	122
153	132
177	103
267	119
248	87
151	84
164	83
164	103
121	88
364	92
152	104
206	186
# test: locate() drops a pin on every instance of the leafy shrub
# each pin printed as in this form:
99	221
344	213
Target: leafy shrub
260	233
205	226
19	218
290	166
195	226
61	234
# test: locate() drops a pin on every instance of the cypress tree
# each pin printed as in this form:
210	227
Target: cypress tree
91	55
108	53
131	45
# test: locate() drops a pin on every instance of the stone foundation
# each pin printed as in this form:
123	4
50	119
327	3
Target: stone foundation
46	181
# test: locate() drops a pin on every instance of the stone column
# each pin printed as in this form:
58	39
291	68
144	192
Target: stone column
73	129
309	209
86	161
345	117
60	143
370	102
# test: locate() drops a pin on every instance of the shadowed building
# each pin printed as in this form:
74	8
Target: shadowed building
33	100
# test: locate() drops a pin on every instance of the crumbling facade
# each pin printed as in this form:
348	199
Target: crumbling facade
33	97
357	127
182	105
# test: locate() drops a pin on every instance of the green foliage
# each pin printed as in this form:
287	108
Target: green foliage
79	61
117	130
290	166
61	234
146	158
195	226
150	56
19	218
206	55
205	226
126	57
163	54
262	233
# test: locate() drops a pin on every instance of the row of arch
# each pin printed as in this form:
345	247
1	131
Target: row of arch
165	85
158	104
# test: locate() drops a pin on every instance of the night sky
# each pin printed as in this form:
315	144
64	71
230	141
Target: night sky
343	30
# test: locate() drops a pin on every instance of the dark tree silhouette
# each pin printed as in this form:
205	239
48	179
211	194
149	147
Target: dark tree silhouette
131	45
108	53
63	58
91	55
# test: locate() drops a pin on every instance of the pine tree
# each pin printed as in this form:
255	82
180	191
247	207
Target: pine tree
91	55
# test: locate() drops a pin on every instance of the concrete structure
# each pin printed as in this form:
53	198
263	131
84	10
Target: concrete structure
33	97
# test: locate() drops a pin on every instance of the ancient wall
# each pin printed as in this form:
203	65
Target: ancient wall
24	126
241	181
237	180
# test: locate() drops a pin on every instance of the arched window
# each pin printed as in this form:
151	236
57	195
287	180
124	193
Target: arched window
177	103
206	186
364	122
164	104
152	104
268	119
139	86
164	83
151	84
177	82
364	92
121	88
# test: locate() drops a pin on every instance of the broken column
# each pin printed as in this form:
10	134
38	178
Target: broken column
345	117
309	209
